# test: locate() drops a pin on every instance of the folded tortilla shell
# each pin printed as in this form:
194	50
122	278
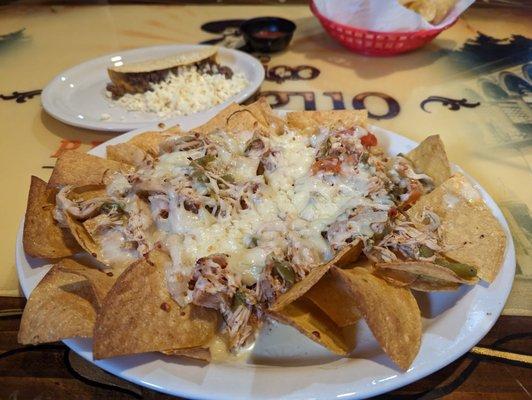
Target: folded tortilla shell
125	77
175	60
430	158
42	236
78	169
138	315
62	306
391	313
468	228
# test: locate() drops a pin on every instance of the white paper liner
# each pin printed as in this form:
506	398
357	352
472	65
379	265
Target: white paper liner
382	15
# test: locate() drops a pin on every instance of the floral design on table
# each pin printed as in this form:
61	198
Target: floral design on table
452	104
21	97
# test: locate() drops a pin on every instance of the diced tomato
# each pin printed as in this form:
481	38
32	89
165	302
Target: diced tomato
392	212
368	140
415	194
329	164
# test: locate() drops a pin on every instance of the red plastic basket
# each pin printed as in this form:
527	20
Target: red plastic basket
376	43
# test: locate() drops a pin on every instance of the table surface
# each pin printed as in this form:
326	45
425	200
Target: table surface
472	85
54	372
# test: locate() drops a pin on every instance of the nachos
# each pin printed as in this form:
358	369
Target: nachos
201	236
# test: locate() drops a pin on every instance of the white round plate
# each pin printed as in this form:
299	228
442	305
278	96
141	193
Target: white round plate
77	96
284	364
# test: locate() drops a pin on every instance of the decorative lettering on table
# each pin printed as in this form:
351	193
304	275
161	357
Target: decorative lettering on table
337	100
393	105
452	104
281	73
21	97
278	98
281	98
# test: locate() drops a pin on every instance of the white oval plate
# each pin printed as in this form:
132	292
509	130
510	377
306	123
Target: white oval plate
284	364
77	96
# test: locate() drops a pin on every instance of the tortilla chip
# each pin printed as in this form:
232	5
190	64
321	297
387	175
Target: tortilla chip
303	315
426	269
149	141
88	192
138	315
42	236
101	280
331	295
443	7
421	276
391	313
83	237
219	121
126	153
331	119
430	158
263	112
78	169
236	118
346	256
61	306
196	353
468	227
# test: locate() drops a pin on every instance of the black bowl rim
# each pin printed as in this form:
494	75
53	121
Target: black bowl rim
246	26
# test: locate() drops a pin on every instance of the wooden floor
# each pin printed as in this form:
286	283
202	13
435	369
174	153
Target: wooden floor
54	372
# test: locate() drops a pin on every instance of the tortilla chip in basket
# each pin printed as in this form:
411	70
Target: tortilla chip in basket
430	158
391	313
78	169
138	314
62	306
331	119
468	228
42	236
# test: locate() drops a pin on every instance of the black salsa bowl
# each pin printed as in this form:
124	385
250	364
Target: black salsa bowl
268	34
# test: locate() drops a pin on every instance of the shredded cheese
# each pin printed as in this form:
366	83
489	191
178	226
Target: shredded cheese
184	93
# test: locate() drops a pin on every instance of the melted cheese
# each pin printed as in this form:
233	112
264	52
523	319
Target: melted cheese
292	207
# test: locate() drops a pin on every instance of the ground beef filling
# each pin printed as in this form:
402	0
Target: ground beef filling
140	82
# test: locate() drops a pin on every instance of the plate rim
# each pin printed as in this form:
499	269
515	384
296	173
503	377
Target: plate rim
412	375
126	127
